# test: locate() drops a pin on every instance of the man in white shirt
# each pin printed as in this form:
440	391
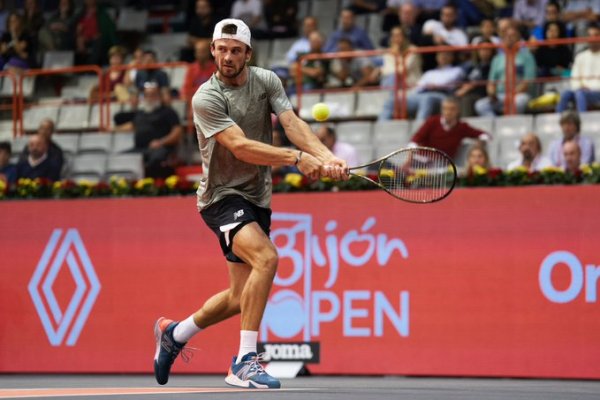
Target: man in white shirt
328	137
302	45
572	155
531	154
585	86
445	31
434	86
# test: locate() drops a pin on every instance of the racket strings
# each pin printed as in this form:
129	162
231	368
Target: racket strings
417	175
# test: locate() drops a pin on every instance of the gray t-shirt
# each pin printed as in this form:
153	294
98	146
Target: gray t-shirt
217	107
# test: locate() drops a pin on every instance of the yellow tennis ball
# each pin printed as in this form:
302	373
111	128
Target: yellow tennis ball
320	112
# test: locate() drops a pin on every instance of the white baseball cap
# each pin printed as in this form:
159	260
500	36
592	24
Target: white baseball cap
241	32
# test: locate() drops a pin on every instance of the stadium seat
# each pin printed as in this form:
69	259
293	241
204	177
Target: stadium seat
374	27
58	59
303	9
261	49
122	142
180	108
341	105
95	143
383	150
324	8
548	125
308	100
365	153
34	115
355	132
485	124
508	150
131	19
167	45
590	122
177	77
279	49
73	117
7	86
68	142
129	166
392	133
513	125
88	166
370	103
18	144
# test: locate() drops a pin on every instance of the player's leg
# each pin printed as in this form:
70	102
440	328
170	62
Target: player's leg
252	244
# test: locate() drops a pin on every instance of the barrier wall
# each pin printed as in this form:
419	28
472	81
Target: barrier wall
490	282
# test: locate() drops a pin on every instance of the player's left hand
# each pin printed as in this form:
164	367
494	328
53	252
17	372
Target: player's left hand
336	169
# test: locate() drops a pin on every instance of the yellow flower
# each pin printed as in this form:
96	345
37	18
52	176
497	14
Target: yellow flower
293	179
386	173
57	185
172	181
552	170
479	170
520	169
141	183
2	187
586	169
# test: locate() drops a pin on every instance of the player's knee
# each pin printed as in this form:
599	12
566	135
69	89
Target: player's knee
268	262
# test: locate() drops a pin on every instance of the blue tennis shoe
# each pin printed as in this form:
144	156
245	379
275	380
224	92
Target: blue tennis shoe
248	373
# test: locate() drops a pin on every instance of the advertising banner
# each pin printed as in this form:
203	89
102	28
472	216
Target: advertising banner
489	282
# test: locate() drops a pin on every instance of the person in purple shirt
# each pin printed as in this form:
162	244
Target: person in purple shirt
348	30
570	124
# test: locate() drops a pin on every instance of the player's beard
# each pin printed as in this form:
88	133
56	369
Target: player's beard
231	73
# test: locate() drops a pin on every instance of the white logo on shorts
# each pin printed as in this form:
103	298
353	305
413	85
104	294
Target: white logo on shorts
238	214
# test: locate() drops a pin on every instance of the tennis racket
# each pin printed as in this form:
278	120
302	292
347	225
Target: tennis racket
413	174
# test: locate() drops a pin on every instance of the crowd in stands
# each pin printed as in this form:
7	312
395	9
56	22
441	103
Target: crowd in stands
468	83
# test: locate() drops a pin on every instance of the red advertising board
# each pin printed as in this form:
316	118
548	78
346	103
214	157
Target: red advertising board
489	282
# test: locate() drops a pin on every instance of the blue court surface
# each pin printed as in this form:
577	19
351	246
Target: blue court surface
322	388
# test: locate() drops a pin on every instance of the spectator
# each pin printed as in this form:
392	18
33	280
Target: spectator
251	12
366	6
222	8
58	33
33	18
570	123
553	60
434	86
155	75
96	33
531	157
4	13
137	58
314	72
345	151
429	9
476	72
116	81
408	21
503	24
585	86
157	131
447	131
200	71
552	15
529	13
579	13
38	164
281	18
16	46
445	31
571	153
493	104
487	33
8	171
399	57
477	158
200	26
302	44
348	29
45	131
347	72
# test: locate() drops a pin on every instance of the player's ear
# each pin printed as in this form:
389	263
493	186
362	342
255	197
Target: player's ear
248	53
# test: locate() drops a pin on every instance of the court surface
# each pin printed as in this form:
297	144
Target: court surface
131	387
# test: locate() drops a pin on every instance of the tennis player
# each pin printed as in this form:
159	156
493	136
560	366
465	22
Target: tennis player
232	115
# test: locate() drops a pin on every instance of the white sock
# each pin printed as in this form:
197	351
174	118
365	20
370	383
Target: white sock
248	341
185	330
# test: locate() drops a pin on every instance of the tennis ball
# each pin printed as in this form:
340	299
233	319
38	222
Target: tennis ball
320	112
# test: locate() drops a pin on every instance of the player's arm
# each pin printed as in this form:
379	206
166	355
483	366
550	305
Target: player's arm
303	137
258	153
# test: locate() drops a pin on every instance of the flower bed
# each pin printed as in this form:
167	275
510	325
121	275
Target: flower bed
292	182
